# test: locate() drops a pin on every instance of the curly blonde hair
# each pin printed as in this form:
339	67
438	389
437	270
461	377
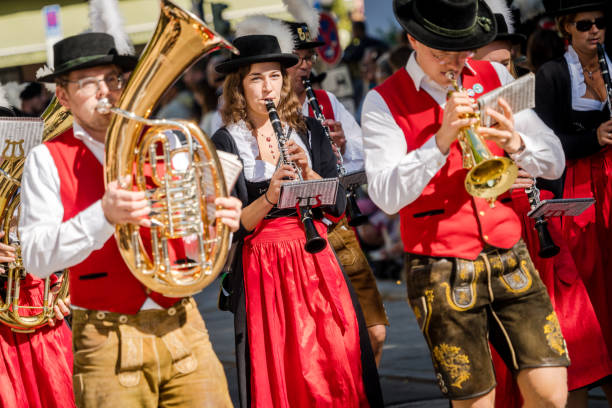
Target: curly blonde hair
234	107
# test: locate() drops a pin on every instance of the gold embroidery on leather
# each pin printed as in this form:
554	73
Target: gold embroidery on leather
496	263
427	300
511	262
519	280
554	337
462	297
454	362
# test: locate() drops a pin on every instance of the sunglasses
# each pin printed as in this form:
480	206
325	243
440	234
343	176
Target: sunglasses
585	25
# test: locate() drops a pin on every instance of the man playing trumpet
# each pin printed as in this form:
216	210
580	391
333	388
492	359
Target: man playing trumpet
469	276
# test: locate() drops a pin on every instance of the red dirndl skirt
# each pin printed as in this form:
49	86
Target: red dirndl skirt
589	236
36	368
302	327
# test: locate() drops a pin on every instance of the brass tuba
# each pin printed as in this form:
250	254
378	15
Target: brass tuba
181	197
489	175
26	319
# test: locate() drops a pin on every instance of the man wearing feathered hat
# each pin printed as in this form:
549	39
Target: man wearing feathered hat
469	276
133	347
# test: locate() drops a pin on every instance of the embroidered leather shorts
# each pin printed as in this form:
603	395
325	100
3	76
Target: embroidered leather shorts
462	305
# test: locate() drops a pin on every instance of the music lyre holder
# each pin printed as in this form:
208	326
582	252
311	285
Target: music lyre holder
351	182
561	207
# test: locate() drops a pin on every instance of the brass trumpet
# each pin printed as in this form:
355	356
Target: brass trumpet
184	180
57	119
489	175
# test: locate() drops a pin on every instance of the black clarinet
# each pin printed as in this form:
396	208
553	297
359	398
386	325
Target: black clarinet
548	249
605	73
353	213
314	242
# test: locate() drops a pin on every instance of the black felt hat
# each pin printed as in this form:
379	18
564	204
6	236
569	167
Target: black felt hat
302	38
253	49
6	111
85	51
562	7
448	25
503	34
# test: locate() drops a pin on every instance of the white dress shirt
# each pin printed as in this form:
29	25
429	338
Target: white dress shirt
396	177
353	154
47	243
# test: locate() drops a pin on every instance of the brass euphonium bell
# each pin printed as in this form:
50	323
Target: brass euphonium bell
22	318
180	182
489	175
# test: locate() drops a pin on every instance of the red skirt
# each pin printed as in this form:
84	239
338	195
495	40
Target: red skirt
36	368
579	325
589	236
302	327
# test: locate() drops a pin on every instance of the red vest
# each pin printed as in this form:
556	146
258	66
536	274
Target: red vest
102	281
324	103
445	220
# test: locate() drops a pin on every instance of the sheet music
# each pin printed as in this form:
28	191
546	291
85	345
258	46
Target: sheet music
566	207
232	167
309	192
18	136
519	94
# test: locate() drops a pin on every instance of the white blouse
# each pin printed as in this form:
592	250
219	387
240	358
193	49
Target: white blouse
578	85
257	170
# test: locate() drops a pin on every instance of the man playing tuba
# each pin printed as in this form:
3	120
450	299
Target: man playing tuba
133	347
468	273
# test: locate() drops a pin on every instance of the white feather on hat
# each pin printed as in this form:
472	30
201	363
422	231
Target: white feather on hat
529	8
501	7
105	17
259	24
44	71
4	103
11	92
303	11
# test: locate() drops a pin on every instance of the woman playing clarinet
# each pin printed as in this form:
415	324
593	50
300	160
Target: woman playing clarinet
297	329
571	98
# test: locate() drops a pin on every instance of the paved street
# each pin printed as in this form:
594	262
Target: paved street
406	373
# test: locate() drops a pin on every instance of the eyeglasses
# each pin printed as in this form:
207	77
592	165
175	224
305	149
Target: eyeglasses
585	25
91	85
312	58
446	57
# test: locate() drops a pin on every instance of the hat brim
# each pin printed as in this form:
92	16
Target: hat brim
6	112
577	9
310	45
514	38
233	64
478	37
125	62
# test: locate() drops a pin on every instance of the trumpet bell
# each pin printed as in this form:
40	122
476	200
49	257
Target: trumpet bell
491	178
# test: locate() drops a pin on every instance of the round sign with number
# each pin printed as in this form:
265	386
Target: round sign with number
331	52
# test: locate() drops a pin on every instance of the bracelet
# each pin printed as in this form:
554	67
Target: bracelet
266	197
